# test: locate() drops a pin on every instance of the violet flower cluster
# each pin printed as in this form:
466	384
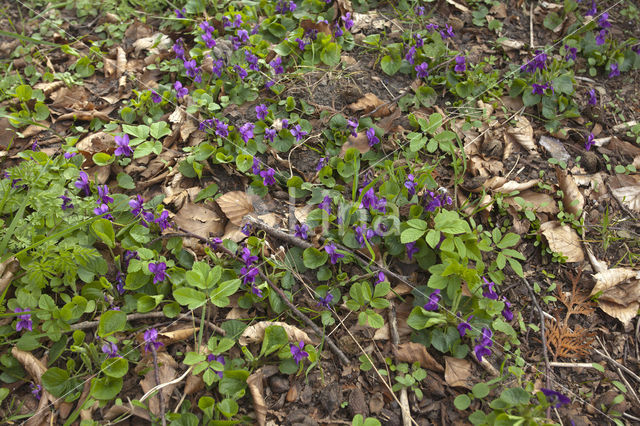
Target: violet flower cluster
370	201
298	353
213	358
151	340
434	200
249	272
24	320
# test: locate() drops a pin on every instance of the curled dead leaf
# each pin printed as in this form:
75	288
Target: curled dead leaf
370	102
170	337
255	333
33	365
563	239
611	277
536	201
235	205
411	352
457	372
572	198
198	219
256	388
359	142
522	133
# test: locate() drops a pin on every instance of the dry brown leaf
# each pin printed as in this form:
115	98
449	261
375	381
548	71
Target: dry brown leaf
612	277
194	384
360	142
563	239
198	219
572	199
255	333
121	61
117	410
523	134
411	352
154	43
33	365
166	372
254	382
622	302
536	201
500	184
7	269
629	196
370	102
169	337
457	372
233	232
235	205
85	116
554	148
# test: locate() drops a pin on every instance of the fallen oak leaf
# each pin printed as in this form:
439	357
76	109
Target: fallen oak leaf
563	239
235	205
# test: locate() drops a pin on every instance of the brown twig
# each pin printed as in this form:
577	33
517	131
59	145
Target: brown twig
622	377
157	377
133	317
542	332
343	359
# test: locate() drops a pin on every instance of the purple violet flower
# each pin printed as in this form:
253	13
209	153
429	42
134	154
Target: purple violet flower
246	229
270	134
614	70
301	44
348	22
276	64
297	132
590	141
488	289
432	303
298	352
179	49
83	183
572	53
159	271
68	155
255	167
122	146
206	27
418	39
539	62
246	131
111	349
101	210
181	91
213	358
321	163
252	60
302	231
242	73
464	326
325	302
538	89
461	64
35	390
325	204
163	220
506	312
353	125
338	31
593	100
411	250
411	55
103	195
483	343
604	20
267	176
601	37
222	129
447	32
371	136
333	254
66	202
247	257
431	27
422	70
593	11
180	13
411	185
248	274
151	340
136	205
362	234
419	10
261	111
554	398
24	321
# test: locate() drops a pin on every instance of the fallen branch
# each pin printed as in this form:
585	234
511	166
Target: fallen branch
395	341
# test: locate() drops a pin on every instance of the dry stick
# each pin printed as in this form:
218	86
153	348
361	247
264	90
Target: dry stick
547	367
343	359
617	364
133	317
571	364
395	341
157	377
